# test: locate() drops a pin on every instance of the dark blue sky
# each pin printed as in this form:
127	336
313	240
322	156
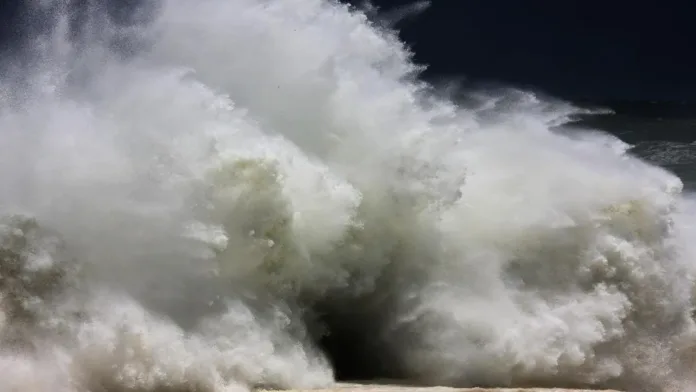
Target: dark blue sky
595	49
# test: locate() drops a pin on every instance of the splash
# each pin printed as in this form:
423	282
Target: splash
234	194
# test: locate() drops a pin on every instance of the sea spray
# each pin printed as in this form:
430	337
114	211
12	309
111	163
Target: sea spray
232	194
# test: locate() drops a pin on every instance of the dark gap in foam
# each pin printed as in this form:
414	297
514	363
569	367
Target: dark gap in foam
350	333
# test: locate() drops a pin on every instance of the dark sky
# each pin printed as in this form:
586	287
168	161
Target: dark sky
595	49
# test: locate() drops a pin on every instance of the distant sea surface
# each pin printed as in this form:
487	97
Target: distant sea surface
660	132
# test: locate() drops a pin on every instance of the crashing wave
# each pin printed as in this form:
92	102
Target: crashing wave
262	194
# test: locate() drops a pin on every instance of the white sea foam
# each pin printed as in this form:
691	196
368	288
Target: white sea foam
181	197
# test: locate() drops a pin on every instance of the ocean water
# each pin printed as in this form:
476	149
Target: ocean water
234	194
661	132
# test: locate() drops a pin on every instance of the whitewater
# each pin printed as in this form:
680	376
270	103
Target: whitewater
232	194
